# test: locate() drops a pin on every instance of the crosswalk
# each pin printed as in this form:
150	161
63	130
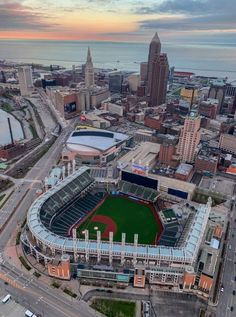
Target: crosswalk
1	259
10	281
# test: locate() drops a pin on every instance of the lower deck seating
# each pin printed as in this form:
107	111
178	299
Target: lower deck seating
79	209
138	191
170	235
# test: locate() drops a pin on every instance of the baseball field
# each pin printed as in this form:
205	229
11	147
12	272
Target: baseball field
122	215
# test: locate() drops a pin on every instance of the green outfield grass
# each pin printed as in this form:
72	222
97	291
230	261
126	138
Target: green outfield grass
129	216
114	308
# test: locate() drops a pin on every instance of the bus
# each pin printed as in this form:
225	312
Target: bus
28	313
6	298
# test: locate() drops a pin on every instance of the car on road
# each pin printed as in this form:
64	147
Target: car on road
222	289
231	308
234	292
235	278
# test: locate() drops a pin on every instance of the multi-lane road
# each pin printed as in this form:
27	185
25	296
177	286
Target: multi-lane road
41	299
227	300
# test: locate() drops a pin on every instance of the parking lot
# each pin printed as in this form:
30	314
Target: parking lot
128	127
11	308
177	305
218	184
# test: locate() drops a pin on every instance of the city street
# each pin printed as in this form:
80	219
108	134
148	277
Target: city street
26	190
34	295
226	298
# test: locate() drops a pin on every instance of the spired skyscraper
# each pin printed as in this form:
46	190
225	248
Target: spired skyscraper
157	73
160	73
89	72
154	50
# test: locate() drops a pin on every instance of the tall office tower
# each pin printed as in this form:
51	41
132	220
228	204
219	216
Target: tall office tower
160	73
217	91
143	72
89	72
189	137
115	81
25	80
154	50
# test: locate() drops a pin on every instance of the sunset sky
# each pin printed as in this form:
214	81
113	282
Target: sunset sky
118	20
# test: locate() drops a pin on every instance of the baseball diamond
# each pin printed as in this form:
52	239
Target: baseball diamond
121	214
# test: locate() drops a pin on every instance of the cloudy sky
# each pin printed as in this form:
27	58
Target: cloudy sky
119	20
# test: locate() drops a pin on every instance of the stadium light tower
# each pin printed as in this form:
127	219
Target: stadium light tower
73	165
68	168
63	172
99	246
46	183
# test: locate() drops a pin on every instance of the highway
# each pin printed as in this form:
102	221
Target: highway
25	288
226	298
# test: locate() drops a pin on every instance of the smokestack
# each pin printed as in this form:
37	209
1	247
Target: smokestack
9	124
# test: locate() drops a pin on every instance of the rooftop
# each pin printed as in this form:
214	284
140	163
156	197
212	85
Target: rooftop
98	139
184	169
209	258
218	82
210	101
145	153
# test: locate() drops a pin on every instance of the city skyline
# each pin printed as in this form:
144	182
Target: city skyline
118	20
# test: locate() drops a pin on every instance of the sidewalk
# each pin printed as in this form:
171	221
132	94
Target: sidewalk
7	194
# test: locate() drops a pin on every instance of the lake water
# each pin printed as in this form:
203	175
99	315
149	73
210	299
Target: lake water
203	59
4	129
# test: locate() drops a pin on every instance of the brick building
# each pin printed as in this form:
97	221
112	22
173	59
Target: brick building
154	122
207	160
189	138
60	267
208	108
228	143
166	153
10	151
184	172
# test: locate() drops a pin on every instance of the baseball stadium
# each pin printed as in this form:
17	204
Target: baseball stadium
113	231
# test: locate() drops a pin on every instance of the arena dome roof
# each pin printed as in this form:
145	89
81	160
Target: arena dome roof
90	140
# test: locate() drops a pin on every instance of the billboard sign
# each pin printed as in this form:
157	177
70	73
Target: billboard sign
139	169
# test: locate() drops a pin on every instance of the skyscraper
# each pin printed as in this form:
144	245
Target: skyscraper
154	50
189	137
160	72
217	91
115	80
25	80
89	72
143	72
